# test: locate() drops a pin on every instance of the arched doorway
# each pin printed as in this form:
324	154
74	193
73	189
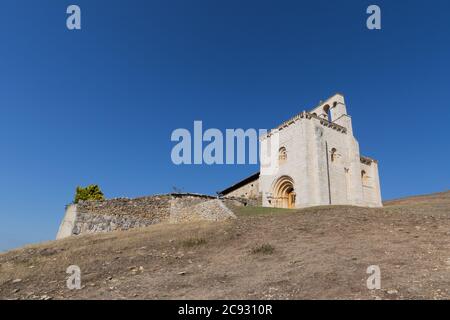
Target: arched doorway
283	192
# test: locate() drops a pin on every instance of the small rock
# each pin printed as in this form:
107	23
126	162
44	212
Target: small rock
182	273
17	280
15	290
393	291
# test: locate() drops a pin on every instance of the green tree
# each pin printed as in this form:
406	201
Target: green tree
91	192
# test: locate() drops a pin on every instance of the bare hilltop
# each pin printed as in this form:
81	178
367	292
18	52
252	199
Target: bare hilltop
314	253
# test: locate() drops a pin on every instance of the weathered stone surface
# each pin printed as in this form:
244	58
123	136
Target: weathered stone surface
211	210
146	208
124	214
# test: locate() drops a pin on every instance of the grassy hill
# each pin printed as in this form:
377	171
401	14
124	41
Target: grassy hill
313	253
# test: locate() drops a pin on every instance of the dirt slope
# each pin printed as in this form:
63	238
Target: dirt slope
264	254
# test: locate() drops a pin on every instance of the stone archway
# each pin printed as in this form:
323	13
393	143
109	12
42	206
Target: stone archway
283	192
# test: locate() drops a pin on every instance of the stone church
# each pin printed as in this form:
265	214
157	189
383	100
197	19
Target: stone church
317	163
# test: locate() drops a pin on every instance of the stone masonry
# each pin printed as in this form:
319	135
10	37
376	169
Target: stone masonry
123	214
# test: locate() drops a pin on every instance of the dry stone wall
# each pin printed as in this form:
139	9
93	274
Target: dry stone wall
124	214
152	208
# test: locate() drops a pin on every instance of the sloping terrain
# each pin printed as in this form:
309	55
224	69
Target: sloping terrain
316	253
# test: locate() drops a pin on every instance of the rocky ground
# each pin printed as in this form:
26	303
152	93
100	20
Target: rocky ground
316	253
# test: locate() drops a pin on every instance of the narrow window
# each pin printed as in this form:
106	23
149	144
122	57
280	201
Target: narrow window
333	154
364	178
282	155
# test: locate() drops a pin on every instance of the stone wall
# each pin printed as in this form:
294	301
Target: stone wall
89	222
247	191
152	208
370	183
185	209
242	202
123	214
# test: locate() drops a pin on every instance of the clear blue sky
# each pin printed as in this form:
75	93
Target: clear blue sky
99	105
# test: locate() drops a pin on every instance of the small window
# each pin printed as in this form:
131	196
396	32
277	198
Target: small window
333	154
364	178
282	155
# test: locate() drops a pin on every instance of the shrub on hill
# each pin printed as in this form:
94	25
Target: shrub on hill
91	192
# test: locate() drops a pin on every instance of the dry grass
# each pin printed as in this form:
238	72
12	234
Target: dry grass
193	242
263	249
320	253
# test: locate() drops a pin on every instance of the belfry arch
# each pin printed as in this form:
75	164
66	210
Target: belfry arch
284	193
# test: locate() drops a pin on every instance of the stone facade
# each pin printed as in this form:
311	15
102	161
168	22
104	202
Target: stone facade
249	190
124	214
317	163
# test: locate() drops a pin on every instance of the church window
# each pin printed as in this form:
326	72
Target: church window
333	154
364	178
282	155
